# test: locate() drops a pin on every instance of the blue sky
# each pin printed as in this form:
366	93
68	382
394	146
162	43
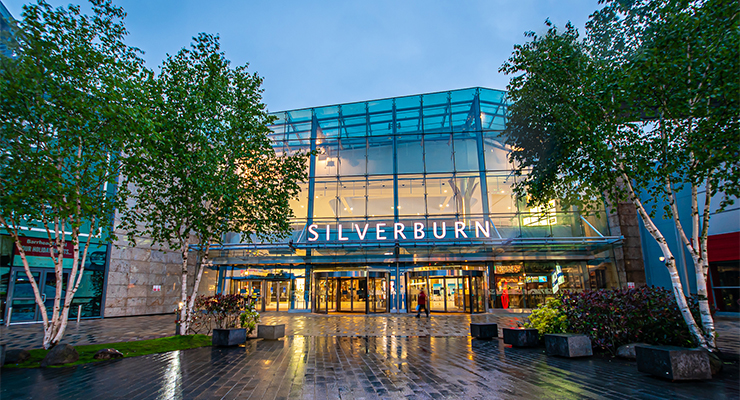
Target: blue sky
314	53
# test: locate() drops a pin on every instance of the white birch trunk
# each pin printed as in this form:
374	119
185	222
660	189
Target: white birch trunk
184	323
697	248
670	263
198	276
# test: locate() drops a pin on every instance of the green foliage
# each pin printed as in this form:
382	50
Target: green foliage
69	103
129	349
208	167
249	318
644	106
612	318
651	93
67	106
223	311
549	317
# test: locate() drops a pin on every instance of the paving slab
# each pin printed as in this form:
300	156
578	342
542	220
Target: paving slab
315	367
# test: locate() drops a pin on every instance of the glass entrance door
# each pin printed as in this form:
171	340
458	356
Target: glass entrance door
378	295
326	294
352	294
277	295
359	295
455	294
436	294
22	297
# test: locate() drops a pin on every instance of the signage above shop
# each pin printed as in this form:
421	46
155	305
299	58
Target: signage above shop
397	231
36	247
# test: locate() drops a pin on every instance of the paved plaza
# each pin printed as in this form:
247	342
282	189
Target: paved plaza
348	357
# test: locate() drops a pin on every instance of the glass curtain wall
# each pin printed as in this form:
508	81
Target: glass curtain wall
436	159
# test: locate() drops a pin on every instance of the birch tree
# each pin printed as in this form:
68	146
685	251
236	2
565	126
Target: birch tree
208	166
644	106
67	105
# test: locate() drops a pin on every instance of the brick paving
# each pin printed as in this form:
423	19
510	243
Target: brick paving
348	357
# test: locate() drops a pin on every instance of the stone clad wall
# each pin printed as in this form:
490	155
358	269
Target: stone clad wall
132	274
629	259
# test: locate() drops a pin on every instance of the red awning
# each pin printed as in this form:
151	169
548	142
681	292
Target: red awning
724	247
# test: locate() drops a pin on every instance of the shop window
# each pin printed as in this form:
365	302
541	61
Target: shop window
726	285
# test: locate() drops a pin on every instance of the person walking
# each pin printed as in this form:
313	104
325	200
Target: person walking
422	304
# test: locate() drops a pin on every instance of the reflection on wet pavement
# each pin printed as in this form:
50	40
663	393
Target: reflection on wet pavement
390	356
315	367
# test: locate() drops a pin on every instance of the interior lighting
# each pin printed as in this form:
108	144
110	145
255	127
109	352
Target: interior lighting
661	258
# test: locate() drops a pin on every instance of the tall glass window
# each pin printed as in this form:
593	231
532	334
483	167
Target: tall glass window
325	201
411	195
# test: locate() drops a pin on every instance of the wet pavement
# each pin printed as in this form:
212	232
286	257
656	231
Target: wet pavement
314	367
391	356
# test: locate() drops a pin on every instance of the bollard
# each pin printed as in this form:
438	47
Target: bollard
10	312
79	313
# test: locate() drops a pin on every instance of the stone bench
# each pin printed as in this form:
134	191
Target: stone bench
271	332
484	331
568	345
674	363
521	337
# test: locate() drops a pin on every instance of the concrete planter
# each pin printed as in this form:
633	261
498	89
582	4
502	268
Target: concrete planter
271	332
484	331
674	363
568	345
521	337
229	337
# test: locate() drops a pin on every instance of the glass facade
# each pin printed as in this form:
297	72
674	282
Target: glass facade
16	293
420	189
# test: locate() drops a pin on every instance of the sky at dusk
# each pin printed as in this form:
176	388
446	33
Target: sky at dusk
314	53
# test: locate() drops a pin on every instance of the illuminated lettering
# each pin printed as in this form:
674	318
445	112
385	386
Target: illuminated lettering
378	231
398	230
339	233
459	227
312	231
479	229
444	231
363	233
419	230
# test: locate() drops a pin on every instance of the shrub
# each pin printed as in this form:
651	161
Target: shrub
222	311
549	317
612	318
249	318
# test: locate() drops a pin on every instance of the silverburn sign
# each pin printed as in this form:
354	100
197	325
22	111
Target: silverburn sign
398	231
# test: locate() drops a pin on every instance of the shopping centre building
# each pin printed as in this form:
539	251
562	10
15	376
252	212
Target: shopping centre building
414	193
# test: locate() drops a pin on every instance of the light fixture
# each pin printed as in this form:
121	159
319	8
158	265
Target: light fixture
388	254
661	258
